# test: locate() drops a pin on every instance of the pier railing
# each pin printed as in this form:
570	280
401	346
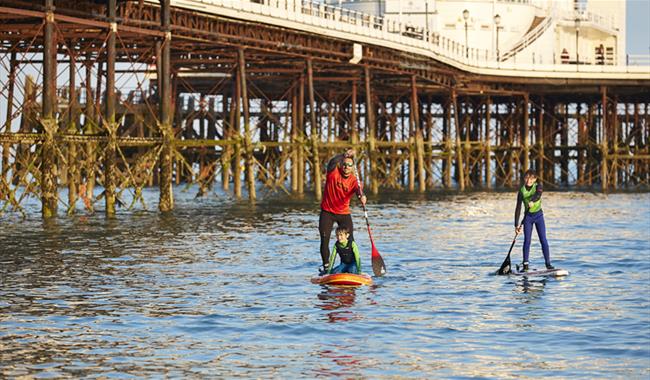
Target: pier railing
528	39
637	59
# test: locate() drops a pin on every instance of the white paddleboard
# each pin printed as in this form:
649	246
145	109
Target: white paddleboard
557	272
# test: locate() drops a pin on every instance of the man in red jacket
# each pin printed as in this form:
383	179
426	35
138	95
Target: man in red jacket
340	185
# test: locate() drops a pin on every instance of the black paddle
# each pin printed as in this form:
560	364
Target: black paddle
505	267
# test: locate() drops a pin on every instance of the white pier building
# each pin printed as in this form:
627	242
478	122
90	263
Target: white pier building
589	32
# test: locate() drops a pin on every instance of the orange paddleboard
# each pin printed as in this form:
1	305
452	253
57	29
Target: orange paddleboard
343	279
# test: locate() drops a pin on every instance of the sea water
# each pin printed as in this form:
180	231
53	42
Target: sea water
220	288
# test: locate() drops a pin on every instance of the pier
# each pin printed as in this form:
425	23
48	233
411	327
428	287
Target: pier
106	98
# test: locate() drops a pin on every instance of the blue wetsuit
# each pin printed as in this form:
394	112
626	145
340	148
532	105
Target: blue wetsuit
531	219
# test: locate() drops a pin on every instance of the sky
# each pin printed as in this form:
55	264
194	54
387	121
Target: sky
638	27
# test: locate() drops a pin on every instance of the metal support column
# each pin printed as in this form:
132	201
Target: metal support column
248	145
314	132
354	138
372	133
419	140
73	168
459	149
110	170
6	147
488	147
526	132
603	146
49	191
166	202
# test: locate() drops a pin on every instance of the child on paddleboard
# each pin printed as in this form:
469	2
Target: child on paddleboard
348	251
530	194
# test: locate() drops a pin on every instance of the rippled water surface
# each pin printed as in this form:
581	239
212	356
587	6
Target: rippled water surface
221	289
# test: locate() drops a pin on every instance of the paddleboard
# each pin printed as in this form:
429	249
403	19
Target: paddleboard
343	279
557	272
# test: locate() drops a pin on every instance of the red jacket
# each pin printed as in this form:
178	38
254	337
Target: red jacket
338	192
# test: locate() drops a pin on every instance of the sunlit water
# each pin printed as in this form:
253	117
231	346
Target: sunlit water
221	289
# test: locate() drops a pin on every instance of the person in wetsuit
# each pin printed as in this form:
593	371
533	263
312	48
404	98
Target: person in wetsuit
348	251
530	194
340	185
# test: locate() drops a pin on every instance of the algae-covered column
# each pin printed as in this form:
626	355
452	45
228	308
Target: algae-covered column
603	146
354	137
641	170
226	150
301	134
592	137
419	146
73	168
459	149
419	139
89	128
49	196
564	143
166	202
411	136
446	132
248	144
526	132
236	121
6	154
540	140
372	133
314	131
582	142
488	146
295	140
614	131
428	137
111	125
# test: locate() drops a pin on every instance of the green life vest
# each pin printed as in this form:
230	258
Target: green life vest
527	194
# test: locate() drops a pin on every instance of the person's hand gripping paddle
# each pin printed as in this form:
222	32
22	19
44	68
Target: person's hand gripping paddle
378	266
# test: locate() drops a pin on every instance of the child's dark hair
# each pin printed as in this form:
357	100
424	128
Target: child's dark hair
530	173
342	229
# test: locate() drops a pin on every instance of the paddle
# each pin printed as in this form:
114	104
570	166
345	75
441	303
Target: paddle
505	267
378	266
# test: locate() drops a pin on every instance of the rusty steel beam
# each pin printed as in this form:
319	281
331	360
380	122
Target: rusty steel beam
72	21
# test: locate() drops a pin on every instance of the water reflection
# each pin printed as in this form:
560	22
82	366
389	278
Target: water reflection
340	361
336	301
531	286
